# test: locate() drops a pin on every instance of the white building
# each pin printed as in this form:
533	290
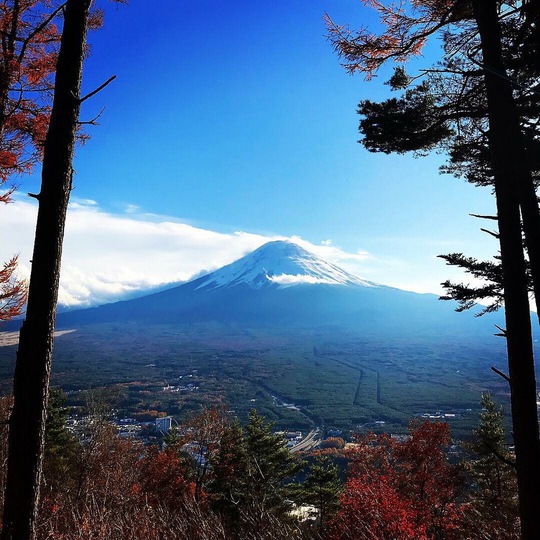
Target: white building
164	424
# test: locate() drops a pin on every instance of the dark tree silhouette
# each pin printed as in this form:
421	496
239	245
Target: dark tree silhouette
480	94
34	355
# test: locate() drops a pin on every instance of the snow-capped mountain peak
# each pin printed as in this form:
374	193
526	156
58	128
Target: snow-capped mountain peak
280	263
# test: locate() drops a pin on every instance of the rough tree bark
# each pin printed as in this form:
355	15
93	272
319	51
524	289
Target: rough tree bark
8	47
34	355
511	181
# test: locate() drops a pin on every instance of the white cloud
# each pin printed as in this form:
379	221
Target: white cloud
334	254
290	279
110	256
83	203
132	208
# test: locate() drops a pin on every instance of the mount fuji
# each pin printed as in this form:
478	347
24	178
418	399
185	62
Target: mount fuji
302	340
283	285
279	263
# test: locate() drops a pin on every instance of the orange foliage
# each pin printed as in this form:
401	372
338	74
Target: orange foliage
27	64
164	477
12	291
30	42
28	55
118	489
403	489
375	513
333	442
406	28
147	415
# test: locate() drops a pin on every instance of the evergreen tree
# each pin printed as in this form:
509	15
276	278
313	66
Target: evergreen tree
229	466
60	443
322	489
492	471
489	439
62	453
172	437
250	471
269	464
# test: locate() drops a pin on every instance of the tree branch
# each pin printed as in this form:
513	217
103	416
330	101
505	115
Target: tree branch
501	373
98	89
92	122
494	218
494	234
38	29
499	456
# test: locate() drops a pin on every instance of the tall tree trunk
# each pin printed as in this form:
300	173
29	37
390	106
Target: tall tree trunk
531	227
34	355
8	51
511	177
4	90
528	197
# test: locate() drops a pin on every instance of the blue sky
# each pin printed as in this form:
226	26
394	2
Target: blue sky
236	117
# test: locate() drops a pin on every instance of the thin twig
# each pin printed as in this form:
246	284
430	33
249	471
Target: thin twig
92	122
494	218
494	234
38	29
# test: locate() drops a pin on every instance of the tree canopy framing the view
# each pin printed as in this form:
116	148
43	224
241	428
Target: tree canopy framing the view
29	47
29	57
480	104
34	355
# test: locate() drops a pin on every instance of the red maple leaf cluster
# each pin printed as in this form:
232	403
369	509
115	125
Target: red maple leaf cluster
403	489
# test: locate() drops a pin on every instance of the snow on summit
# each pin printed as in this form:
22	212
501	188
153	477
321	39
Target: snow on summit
282	263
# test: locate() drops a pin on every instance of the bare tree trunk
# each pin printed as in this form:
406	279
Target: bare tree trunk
511	178
531	227
4	90
34	355
8	50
